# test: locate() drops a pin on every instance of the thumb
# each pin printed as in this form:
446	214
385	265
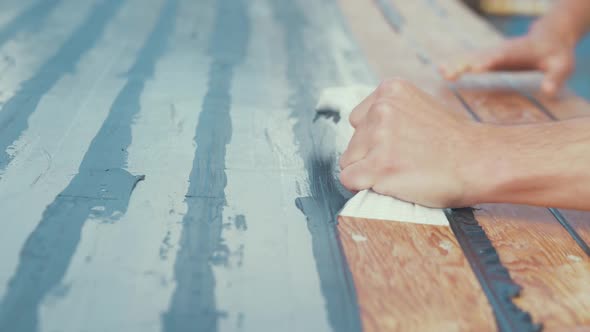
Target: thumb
358	176
557	70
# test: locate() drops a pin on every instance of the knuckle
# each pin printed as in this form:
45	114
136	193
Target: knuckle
354	119
392	87
382	109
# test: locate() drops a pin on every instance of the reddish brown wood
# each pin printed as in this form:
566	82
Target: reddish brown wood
539	253
412	277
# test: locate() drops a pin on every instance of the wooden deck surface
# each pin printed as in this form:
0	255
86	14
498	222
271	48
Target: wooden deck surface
158	172
539	253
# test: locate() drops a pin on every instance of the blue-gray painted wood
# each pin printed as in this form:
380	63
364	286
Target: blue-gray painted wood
29	19
16	111
233	227
102	182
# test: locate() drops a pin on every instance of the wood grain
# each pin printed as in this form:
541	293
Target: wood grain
545	261
412	277
539	253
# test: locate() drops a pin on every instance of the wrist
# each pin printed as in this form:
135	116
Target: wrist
537	164
478	163
524	164
502	165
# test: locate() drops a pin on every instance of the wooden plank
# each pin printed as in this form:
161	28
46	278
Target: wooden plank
556	253
386	266
412	277
518	7
545	261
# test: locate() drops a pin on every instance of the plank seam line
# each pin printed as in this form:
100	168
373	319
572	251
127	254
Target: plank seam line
493	276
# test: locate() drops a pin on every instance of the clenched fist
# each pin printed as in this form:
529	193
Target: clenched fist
409	146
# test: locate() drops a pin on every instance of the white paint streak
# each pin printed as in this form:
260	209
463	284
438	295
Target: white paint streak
358	237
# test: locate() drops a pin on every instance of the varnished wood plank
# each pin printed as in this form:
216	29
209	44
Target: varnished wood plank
412	277
545	261
563	305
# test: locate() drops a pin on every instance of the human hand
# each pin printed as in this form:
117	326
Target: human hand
544	48
409	146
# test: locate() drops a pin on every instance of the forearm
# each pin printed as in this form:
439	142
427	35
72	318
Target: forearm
540	164
570	19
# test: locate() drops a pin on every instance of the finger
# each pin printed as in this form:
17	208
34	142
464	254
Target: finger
556	74
360	111
358	176
357	149
512	54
